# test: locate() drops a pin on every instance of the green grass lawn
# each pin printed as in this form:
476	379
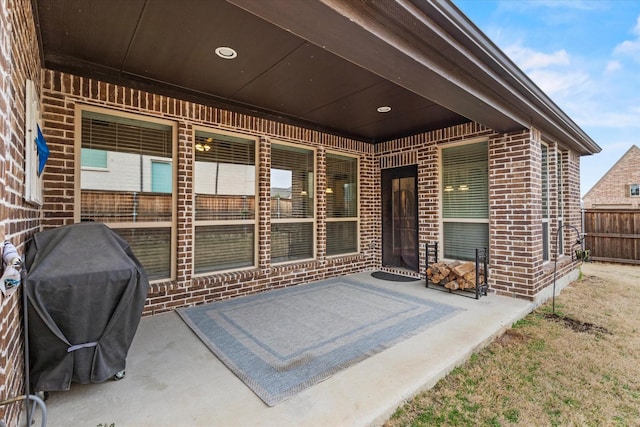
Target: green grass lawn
577	367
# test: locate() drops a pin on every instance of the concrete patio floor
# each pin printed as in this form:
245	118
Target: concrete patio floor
172	379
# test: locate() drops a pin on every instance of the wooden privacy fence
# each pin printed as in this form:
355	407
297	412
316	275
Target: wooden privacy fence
613	235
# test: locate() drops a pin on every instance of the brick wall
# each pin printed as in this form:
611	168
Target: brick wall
62	92
19	60
612	190
515	184
517	267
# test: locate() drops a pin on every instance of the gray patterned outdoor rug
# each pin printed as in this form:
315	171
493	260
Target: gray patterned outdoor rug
283	341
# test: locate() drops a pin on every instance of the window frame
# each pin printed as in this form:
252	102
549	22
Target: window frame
545	194
80	109
560	198
313	219
228	222
442	219
355	218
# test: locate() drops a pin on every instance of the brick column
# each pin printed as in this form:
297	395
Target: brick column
263	213
184	194
515	215
321	206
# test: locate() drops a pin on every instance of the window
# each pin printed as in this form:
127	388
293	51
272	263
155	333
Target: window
342	204
465	200
92	158
225	202
560	203
545	202
160	177
634	190
117	157
292	203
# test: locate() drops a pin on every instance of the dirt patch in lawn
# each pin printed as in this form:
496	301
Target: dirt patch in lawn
575	325
579	365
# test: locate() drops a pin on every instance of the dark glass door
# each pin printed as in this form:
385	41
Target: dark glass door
400	218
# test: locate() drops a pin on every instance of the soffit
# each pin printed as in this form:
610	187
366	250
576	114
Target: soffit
323	64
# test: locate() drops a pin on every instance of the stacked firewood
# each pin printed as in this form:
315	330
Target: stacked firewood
455	275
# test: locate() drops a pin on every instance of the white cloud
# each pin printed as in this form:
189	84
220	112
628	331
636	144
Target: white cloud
568	82
630	47
529	59
627	119
590	111
612	66
560	83
554	4
552	72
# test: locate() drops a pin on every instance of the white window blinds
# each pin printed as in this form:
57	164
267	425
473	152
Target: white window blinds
465	200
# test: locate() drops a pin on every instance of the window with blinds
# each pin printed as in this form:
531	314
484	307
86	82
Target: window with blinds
225	202
119	184
342	204
465	200
559	157
292	203
545	202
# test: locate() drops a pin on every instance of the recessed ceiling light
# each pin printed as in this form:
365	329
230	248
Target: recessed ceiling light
384	109
226	52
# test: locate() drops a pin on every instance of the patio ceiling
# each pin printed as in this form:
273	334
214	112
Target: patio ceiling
323	64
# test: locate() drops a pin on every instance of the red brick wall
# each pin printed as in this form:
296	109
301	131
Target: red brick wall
61	93
517	267
515	218
612	190
19	60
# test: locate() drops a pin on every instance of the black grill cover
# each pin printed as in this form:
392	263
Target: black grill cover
86	291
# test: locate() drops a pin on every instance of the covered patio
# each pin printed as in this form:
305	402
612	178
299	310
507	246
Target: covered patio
242	146
173	379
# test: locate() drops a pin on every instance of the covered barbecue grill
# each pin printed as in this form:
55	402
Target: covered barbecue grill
85	291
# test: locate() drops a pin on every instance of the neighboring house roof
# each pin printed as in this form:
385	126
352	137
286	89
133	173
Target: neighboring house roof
634	149
322	64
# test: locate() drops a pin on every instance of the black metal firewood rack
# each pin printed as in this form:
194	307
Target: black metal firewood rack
482	271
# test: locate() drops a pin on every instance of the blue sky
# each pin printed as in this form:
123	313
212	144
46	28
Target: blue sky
585	55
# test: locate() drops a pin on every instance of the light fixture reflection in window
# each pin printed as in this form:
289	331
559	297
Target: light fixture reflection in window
463	187
448	188
202	147
329	190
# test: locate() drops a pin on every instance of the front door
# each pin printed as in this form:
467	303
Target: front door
400	218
